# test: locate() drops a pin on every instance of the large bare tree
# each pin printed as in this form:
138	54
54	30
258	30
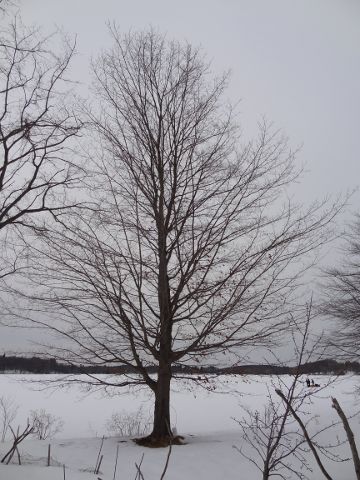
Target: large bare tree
194	248
36	128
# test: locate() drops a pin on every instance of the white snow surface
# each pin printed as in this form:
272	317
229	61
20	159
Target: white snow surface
205	419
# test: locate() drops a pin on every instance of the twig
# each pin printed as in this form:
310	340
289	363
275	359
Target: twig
350	436
139	475
169	452
306	435
167	462
116	460
18	455
96	469
99	465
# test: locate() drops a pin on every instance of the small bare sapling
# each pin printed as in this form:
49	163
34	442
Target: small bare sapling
8	412
126	424
45	425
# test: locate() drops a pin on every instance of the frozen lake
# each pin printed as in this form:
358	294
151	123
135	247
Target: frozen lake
203	417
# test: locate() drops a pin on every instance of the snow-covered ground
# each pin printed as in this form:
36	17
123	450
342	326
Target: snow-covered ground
204	418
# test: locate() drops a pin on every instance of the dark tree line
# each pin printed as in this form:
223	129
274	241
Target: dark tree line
40	365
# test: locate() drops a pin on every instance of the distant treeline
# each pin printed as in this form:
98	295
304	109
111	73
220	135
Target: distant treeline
49	365
326	366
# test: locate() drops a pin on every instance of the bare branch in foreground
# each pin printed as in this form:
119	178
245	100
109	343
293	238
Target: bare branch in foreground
305	433
350	436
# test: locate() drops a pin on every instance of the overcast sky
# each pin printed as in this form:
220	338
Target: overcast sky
295	61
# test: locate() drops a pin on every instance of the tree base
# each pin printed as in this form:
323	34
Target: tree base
159	442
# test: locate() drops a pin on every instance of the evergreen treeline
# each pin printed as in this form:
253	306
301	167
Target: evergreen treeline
326	366
50	365
45	365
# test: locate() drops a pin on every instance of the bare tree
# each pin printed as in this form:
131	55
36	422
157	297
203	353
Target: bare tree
194	249
274	443
305	434
282	438
342	295
35	127
8	412
312	445
44	424
126	423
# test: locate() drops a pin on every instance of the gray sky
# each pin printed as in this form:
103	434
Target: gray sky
295	62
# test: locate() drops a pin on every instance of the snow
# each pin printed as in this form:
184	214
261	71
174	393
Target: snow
204	418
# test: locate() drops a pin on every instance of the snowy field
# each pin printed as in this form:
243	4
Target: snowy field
205	419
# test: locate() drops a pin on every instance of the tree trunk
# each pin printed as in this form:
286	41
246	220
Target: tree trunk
161	435
162	429
266	470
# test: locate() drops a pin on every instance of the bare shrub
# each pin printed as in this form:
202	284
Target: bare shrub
8	412
272	441
277	438
127	424
45	425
